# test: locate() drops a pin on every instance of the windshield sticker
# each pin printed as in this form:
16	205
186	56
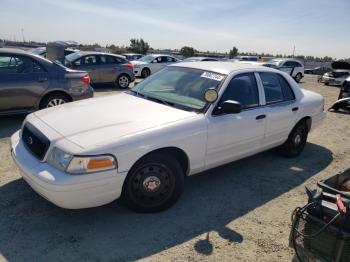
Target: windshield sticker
212	76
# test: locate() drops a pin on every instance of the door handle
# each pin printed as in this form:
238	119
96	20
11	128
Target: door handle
260	117
295	109
42	79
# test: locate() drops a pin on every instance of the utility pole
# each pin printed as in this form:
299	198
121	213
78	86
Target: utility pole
293	50
23	35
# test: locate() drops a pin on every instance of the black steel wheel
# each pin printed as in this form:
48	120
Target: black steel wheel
153	184
296	140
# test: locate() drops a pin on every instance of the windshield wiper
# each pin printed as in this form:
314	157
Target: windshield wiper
158	100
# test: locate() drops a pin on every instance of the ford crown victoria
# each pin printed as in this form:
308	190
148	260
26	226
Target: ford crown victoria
185	119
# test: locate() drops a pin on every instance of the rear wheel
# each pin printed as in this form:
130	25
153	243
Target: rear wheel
122	81
298	78
296	140
54	100
153	184
145	72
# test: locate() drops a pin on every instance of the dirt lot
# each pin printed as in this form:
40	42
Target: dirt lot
238	212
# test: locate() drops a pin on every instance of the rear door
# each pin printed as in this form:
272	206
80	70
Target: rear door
89	63
110	67
22	81
281	108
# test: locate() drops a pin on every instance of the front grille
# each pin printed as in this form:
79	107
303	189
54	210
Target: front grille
35	141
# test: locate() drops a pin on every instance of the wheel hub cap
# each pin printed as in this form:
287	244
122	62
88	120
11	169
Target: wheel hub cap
56	102
151	183
297	139
123	81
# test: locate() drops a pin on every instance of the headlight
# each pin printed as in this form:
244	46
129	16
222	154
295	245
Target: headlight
137	66
59	159
78	165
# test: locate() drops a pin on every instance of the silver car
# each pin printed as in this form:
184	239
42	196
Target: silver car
103	67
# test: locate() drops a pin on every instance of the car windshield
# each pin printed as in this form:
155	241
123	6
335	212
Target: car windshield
71	57
179	87
147	58
277	62
38	51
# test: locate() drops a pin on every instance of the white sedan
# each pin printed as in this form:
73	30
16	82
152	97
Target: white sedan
185	119
149	64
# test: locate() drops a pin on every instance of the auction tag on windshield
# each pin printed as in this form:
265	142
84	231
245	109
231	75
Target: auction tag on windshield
212	76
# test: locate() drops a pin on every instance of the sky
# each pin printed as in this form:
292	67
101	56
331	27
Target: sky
314	27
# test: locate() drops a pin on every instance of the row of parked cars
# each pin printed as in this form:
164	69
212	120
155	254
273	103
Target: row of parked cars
29	81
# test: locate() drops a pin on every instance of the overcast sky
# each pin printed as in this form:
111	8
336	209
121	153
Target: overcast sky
315	27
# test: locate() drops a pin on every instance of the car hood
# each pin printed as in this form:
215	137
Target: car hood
102	120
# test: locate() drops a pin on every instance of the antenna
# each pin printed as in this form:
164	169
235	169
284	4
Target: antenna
23	35
293	50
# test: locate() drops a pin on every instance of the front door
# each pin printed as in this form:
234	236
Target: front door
233	136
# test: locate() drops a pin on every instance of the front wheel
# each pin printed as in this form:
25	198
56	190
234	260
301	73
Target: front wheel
145	73
296	140
153	184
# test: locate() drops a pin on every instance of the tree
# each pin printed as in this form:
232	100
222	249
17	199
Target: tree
138	46
233	52
187	51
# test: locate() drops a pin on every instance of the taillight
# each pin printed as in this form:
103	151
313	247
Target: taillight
85	79
129	66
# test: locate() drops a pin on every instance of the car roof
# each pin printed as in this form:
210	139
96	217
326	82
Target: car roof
222	67
13	50
81	53
131	54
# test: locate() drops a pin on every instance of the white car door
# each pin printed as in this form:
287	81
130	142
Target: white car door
233	136
156	64
281	108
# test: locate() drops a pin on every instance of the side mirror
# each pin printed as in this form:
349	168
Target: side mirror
228	107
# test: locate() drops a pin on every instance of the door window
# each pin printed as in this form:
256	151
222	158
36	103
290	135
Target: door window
89	60
276	88
244	89
106	59
19	65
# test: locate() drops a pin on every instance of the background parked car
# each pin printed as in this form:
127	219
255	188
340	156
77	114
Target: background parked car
246	58
42	51
150	64
335	77
199	58
29	82
103	67
319	70
298	67
132	57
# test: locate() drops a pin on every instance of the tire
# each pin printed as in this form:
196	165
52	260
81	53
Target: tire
145	73
154	184
298	78
296	140
326	84
54	100
122	81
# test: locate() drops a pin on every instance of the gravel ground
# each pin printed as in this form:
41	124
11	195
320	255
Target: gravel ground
238	212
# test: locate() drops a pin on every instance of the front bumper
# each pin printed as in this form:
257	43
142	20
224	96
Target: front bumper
62	189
